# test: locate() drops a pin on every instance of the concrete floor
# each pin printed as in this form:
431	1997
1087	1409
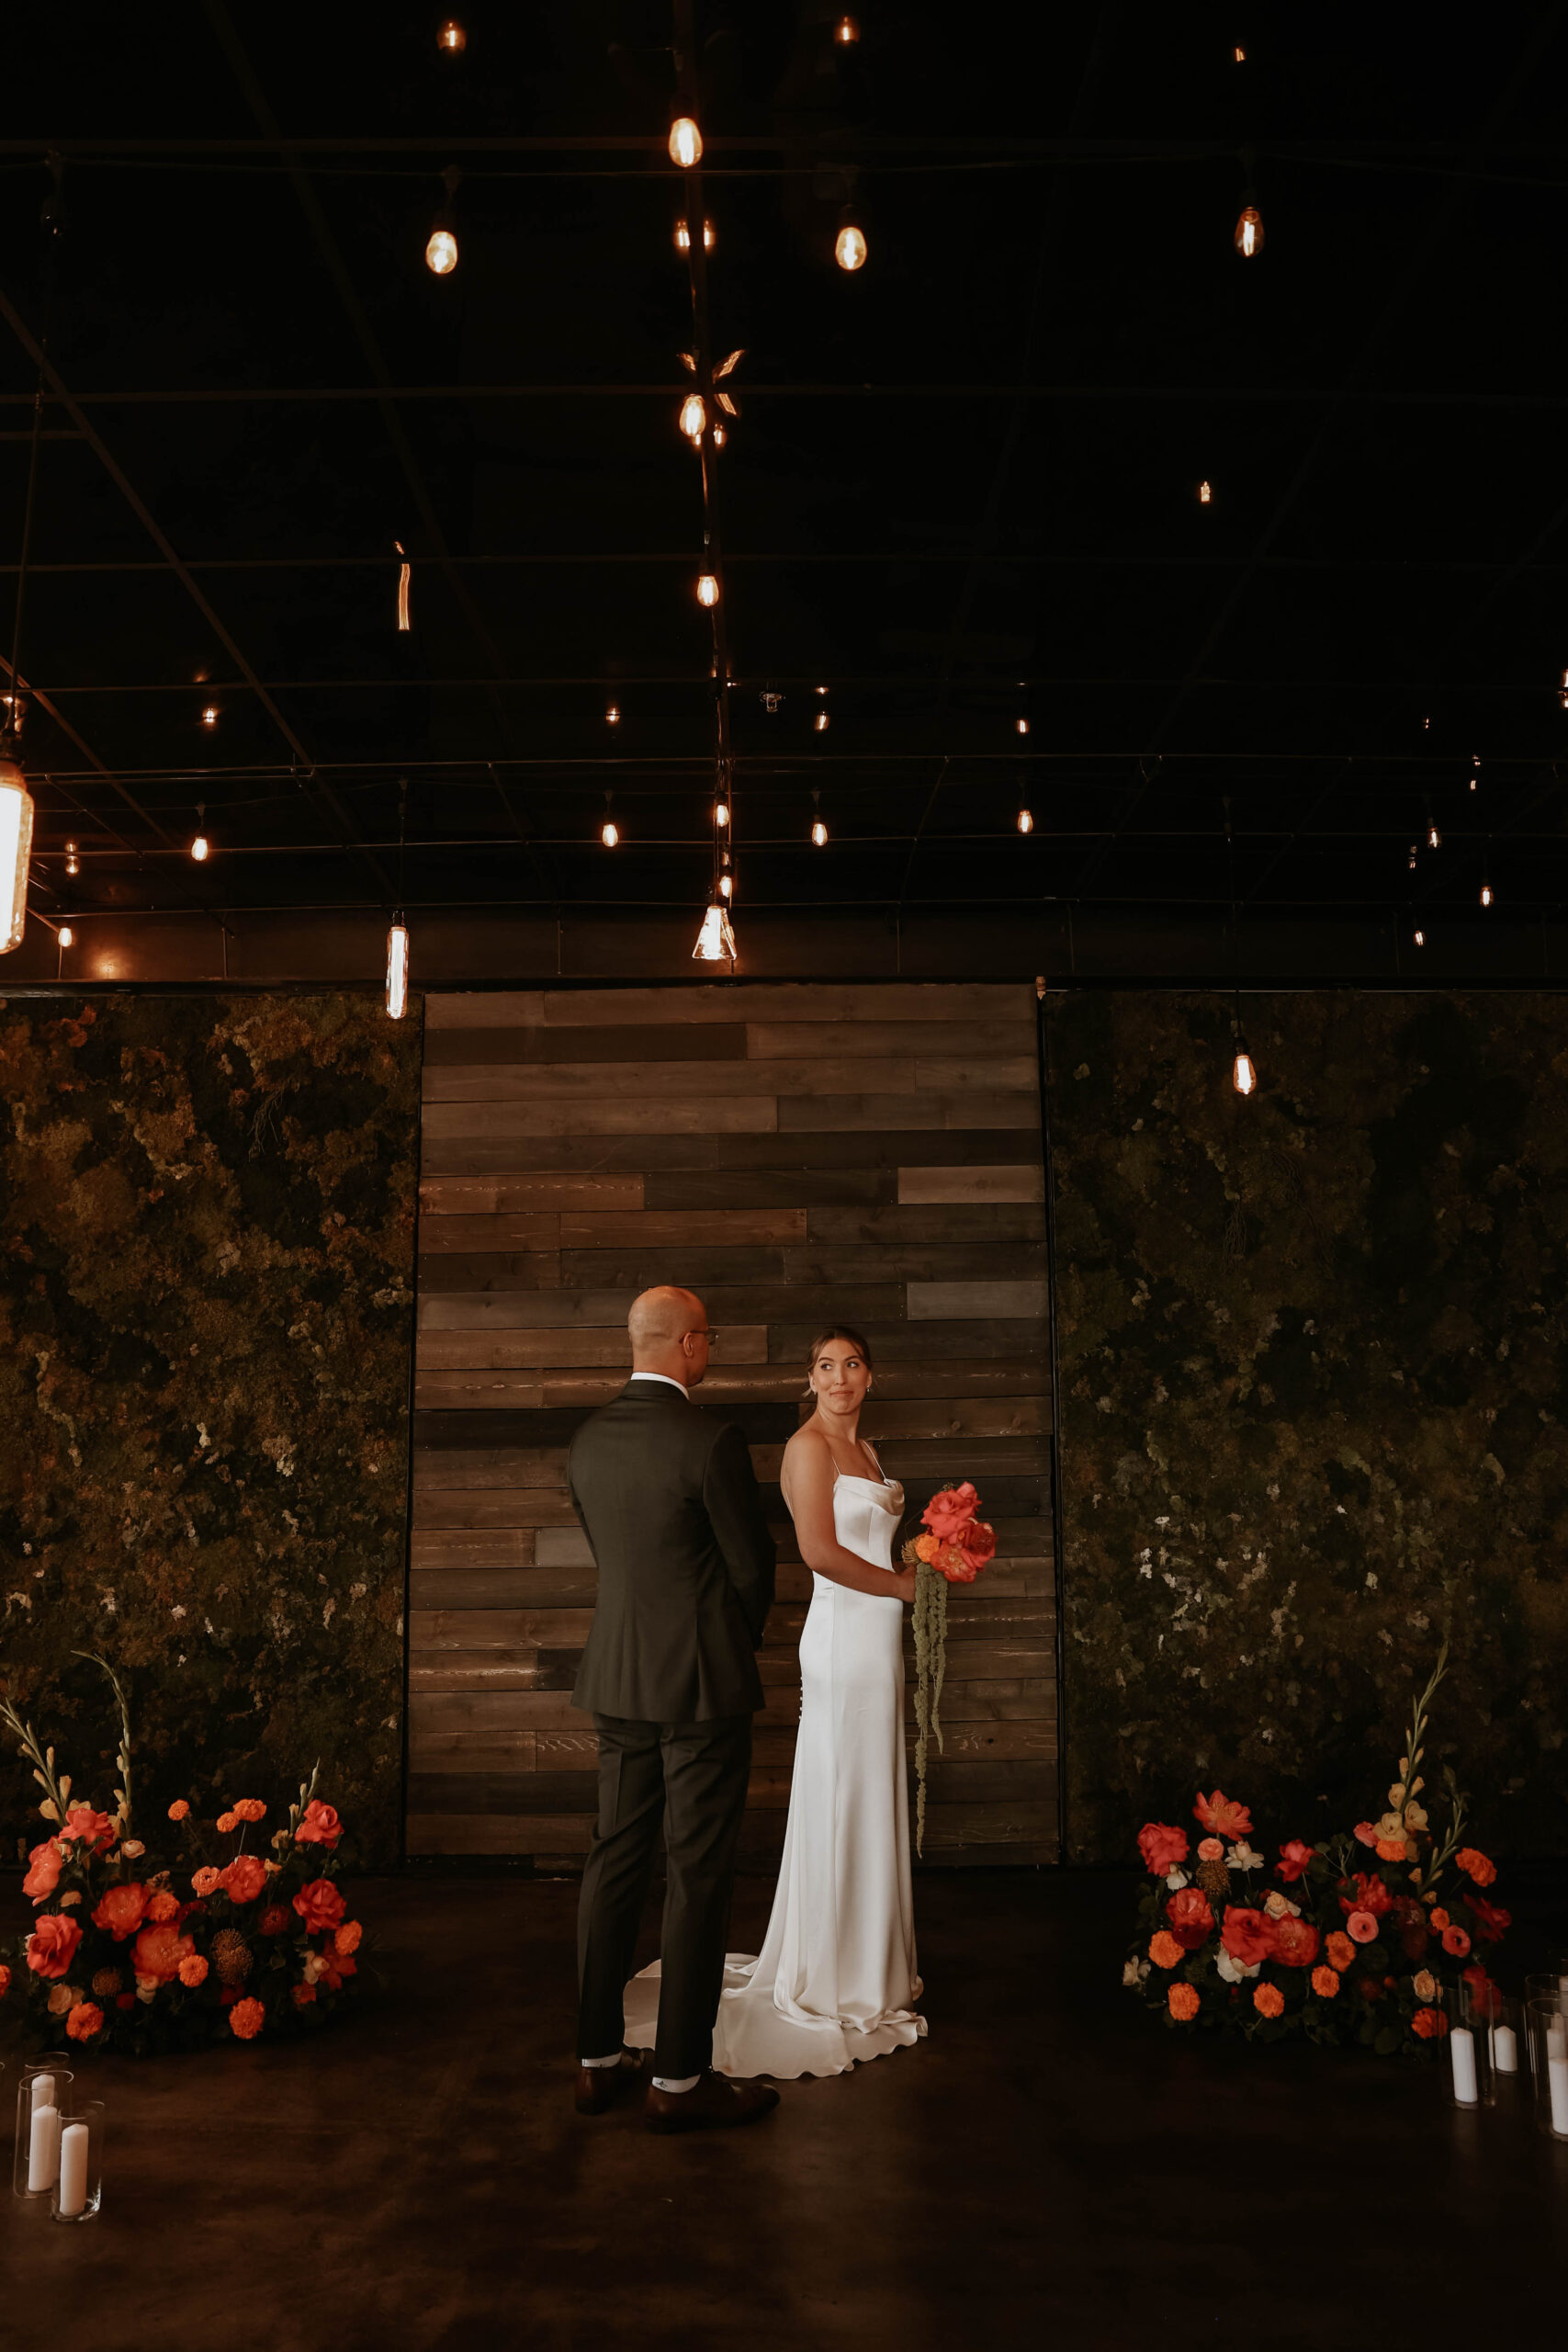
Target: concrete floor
1048	2170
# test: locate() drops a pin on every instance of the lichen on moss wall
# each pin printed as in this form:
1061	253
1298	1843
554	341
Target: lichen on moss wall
207	1211
1313	1353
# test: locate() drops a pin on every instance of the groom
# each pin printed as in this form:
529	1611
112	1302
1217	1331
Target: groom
666	1497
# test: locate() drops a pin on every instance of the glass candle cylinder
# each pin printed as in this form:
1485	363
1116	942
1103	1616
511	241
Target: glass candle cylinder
1549	2050
1505	2027
42	2091
1552	1986
1469	2044
79	2179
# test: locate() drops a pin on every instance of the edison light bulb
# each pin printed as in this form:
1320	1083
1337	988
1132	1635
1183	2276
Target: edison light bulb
15	848
1243	1078
72	863
818	834
820	722
451	37
1020	726
726	885
686	142
708	590
846	32
718	437
397	970
1434	839
1205	493
1487	894
683	237
66	935
1025	820
1420	938
209	714
612	714
849	246
1241	57
609	833
201	848
693	416
1250	232
721	814
441	252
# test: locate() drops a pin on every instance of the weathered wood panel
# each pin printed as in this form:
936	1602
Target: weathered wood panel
801	1155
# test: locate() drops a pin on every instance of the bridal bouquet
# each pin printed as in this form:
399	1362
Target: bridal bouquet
1356	1942
956	1546
261	1942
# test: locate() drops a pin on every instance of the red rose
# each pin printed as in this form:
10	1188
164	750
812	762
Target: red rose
977	1546
1491	1922
1295	1941
275	1920
244	1879
1293	1860
1163	1849
52	1947
320	1906
44	1876
1371	1895
1192	1921
95	1829
121	1910
318	1825
948	1513
1247	1936
1222	1817
1363	1927
1456	1943
158	1952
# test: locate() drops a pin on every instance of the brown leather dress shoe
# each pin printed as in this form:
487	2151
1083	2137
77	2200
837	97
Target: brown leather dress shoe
713	2104
600	2087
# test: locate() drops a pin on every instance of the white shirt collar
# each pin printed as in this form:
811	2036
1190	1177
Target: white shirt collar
668	1381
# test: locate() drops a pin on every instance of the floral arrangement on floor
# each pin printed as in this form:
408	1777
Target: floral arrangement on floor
956	1546
261	1944
1357	1942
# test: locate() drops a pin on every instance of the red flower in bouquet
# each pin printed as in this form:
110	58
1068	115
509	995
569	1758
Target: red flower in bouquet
1222	1817
85	2020
274	1921
1340	1950
93	1829
1456	1943
1476	1866
246	2019
41	1880
157	1952
1430	2024
333	1967
319	1825
1295	1942
1414	1934
320	1906
163	1905
249	1809
976	1547
1326	1982
1371	1895
121	1910
1491	1922
52	1947
5	1980
349	1937
1363	1927
1163	1849
1192	1921
244	1879
1293	1860
1486	1996
948	1513
193	1970
1367	1833
1247	1936
1268	2000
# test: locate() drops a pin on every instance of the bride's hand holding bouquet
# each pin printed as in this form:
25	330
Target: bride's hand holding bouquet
956	1546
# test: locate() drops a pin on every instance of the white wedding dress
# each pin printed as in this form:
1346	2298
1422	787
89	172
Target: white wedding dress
836	1977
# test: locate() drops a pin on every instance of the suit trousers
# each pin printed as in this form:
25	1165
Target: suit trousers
691	1777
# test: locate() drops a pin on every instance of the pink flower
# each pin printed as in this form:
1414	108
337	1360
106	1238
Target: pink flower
52	1947
44	1876
319	1825
1456	1943
948	1514
244	1879
1163	1849
95	1829
1211	1849
1293	1860
1367	1833
1362	1927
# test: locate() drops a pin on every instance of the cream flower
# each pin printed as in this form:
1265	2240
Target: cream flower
1425	1987
1415	1816
1243	1857
1233	1972
1176	1881
1135	1970
1277	1904
1390	1826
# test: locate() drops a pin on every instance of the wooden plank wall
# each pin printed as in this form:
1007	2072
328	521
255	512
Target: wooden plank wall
794	1153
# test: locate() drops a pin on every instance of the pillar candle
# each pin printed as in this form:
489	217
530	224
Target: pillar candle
43	2091
1557	2077
72	2169
1505	2049
1461	2052
43	2149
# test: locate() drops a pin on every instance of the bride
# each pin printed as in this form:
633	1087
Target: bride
836	1978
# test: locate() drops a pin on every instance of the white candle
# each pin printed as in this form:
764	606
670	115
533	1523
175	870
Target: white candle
43	2149
1505	2049
1557	2073
1461	2052
43	2091
72	2169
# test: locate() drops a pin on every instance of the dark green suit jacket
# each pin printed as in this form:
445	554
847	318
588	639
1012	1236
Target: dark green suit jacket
667	1497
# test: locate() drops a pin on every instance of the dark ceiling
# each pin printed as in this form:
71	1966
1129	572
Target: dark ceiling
962	489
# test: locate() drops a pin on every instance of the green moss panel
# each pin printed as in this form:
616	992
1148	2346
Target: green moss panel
1312	1358
206	1213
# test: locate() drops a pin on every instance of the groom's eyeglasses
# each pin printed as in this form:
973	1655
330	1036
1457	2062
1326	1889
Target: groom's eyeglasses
701	1331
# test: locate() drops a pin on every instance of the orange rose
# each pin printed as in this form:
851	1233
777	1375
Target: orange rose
85	2020
319	1825
192	1969
227	1821
1164	1949
1211	1849
320	1906
1183	2002
247	2018
44	1876
303	1995
1268	2000
1340	1950
179	1810
205	1881
1428	2023
926	1549
158	1952
121	1910
52	1947
93	1829
1476	1866
163	1906
244	1878
1326	1982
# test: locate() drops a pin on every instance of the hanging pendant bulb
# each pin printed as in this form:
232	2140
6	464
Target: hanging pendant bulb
1419	938
16	850
726	886
1205	493
721	812
693	416
846	32
441	250
612	714
397	968
452	38
686	142
1020	724
1025	820
1244	1076
73	863
819	830
609	831
65	935
1487	894
850	247
708	590
1475	770
715	940
1434	839
211	715
405	574
718	437
200	847
683	237
1249	237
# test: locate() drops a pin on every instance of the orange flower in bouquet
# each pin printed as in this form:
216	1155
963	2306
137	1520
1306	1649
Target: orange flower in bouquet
956	1546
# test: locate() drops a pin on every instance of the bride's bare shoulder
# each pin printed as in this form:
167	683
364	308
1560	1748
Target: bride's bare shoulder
807	1449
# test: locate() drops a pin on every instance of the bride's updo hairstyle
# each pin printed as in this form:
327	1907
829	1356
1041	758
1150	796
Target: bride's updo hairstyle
835	1331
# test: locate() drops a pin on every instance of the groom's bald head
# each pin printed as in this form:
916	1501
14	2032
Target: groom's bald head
668	1327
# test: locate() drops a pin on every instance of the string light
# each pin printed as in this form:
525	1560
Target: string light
850	246
1419	938
200	847
612	714
1244	1074
405	574
452	38
1434	838
1249	232
1475	770
609	831
1413	854
686	142
1487	894
726	880
846	32
819	830
708	590
721	812
683	237
1205	493
693	416
66	936
718	437
441	248
73	863
1563	690
1020	724
1241	57
1025	819
209	714
15	848
715	940
397	968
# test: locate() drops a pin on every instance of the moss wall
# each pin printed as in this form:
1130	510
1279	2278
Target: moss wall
206	1318
1313	1356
